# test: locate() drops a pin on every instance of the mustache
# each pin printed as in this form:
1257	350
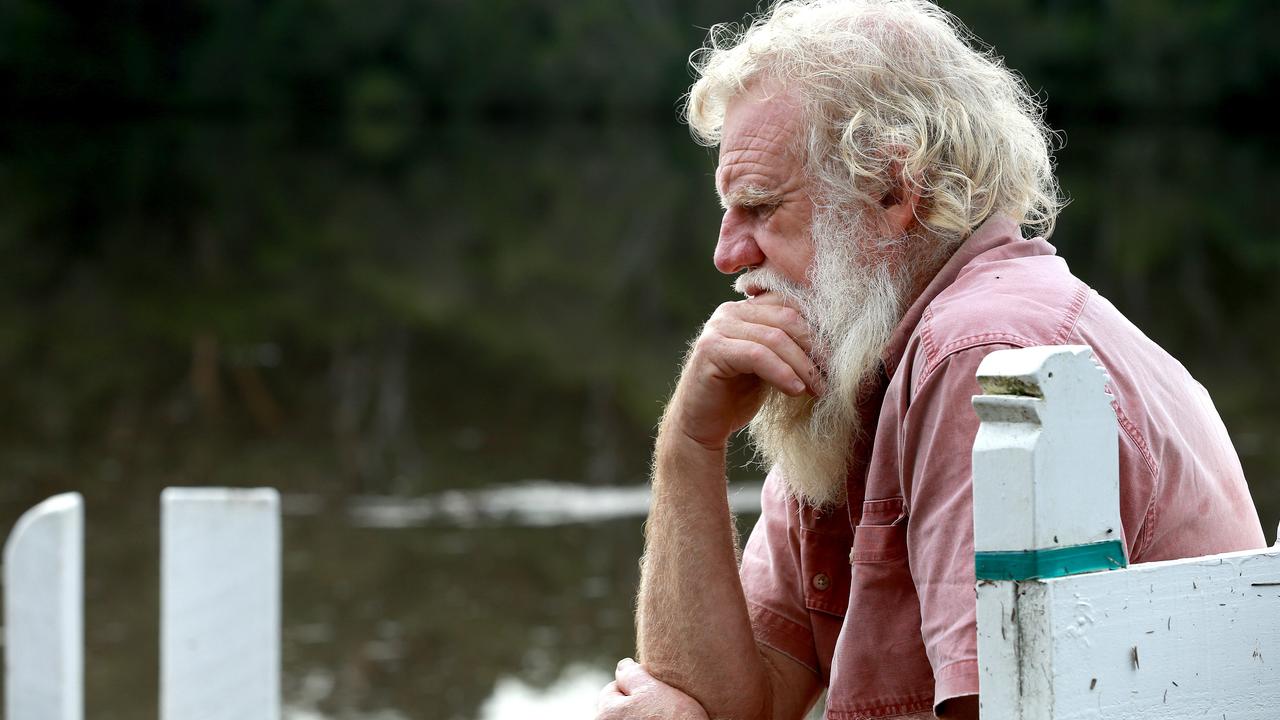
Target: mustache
756	280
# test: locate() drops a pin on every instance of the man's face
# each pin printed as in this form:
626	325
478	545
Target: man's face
761	183
825	262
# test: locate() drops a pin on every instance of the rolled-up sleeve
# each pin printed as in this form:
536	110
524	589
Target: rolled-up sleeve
937	454
770	575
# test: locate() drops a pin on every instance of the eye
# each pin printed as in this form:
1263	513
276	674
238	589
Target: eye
764	211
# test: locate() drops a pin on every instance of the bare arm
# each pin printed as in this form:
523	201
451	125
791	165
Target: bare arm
693	630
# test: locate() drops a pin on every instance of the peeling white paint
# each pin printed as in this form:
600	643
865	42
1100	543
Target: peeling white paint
1082	621
1157	641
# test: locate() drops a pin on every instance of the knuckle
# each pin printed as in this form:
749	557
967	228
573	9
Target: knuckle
711	346
709	340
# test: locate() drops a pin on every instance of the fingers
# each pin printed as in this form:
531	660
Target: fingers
743	346
631	677
780	316
635	693
746	357
788	350
769	340
609	696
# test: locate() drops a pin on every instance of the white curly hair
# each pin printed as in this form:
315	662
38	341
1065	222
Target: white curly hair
892	92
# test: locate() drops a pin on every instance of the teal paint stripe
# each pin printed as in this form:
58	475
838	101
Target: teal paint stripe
1050	562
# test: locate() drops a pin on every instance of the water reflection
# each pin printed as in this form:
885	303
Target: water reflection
428	620
570	696
534	503
396	341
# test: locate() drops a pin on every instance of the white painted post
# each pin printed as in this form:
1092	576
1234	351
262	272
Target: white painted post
1045	504
220	604
44	612
1198	637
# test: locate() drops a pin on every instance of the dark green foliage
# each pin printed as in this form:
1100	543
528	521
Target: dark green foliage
518	59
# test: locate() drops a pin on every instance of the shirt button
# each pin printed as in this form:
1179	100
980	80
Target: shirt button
821	581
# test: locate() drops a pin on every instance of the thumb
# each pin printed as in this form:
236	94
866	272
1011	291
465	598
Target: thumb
632	677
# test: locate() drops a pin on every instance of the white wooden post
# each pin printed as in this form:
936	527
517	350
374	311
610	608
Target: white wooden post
220	604
1058	640
1045	503
44	612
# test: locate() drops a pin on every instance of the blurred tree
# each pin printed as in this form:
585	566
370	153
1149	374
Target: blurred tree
520	59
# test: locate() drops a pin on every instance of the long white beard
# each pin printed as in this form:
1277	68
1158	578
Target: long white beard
852	307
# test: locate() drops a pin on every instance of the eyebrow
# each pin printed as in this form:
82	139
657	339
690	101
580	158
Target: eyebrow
749	196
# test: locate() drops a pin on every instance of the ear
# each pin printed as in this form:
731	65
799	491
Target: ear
899	204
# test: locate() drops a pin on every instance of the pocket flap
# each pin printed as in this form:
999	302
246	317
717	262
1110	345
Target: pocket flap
881	536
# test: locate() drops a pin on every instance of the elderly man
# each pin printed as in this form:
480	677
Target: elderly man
876	171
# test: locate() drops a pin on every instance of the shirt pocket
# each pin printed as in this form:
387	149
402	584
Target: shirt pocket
881	534
886	671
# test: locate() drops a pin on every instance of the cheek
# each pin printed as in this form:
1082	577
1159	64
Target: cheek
795	243
791	256
802	263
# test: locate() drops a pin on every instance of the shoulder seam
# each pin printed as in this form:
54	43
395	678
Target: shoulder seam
926	336
1144	532
1072	317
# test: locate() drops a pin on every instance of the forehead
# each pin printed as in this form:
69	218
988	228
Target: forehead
758	141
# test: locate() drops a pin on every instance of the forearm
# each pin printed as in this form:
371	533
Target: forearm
693	630
692	625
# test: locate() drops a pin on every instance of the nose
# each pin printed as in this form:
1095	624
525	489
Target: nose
737	248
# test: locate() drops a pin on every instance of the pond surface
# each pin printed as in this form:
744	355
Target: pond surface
448	348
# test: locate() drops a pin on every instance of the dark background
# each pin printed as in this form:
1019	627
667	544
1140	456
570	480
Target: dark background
397	248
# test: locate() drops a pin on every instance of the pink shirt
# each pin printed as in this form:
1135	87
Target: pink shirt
877	597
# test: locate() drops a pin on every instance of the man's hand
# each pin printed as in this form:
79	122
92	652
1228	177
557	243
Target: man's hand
636	695
692	612
744	345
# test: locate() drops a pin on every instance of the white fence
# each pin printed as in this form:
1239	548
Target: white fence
1065	630
220	607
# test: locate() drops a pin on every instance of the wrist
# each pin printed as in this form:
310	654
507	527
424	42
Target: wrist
686	419
677	439
680	454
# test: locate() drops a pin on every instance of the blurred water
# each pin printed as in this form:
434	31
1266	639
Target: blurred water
571	696
535	503
399	337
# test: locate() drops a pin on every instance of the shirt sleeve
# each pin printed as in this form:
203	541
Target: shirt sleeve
769	572
937	476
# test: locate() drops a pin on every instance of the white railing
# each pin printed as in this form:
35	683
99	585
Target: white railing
1065	629
220	607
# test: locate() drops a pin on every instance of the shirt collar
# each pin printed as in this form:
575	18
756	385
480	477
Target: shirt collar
997	232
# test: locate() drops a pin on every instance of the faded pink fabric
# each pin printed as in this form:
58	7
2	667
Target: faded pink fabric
877	597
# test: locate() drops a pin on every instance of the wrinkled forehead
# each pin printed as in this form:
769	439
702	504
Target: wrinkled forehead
760	137
754	114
